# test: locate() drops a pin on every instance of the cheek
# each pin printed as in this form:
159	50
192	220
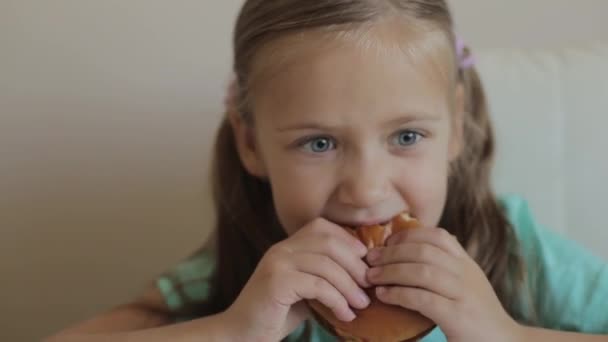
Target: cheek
433	201
299	194
426	194
424	186
297	188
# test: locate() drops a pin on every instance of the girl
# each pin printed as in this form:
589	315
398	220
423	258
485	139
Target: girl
348	112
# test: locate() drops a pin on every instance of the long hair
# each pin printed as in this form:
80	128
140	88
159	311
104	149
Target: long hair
247	224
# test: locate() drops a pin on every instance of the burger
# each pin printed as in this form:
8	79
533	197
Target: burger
379	322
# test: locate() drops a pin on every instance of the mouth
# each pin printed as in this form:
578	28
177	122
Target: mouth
354	225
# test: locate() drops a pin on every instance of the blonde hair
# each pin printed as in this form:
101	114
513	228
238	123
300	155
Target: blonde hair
247	223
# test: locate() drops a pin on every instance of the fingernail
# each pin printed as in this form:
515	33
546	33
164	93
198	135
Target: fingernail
363	299
373	255
397	238
380	290
391	240
350	315
361	248
374	272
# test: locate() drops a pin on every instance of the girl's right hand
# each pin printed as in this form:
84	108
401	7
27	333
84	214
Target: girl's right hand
322	262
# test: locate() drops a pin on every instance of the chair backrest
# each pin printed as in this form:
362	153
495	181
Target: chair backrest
550	109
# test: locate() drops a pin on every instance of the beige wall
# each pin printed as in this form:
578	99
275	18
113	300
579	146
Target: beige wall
531	23
107	110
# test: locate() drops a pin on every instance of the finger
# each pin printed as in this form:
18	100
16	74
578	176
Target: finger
324	267
299	313
307	286
339	250
429	304
324	228
424	276
437	237
413	252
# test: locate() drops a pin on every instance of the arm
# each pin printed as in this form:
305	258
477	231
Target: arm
537	334
146	319
567	283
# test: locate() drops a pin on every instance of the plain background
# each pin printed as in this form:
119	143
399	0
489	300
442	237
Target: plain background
107	114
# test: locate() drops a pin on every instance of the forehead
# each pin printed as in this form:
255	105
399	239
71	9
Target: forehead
385	63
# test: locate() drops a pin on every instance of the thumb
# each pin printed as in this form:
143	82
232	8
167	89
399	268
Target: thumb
297	315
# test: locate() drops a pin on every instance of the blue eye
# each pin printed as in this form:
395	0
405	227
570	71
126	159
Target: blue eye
408	138
319	145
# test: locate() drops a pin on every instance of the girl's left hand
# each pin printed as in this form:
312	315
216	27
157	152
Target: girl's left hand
428	271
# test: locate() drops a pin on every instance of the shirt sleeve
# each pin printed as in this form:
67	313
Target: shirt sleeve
189	282
568	284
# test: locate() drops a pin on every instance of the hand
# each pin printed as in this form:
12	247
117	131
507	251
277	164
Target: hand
321	261
428	271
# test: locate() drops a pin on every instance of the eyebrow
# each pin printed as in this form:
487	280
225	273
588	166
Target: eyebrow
401	120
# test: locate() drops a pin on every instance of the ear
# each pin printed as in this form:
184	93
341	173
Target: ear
246	145
457	136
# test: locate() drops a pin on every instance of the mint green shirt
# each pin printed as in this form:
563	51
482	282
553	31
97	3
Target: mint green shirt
568	284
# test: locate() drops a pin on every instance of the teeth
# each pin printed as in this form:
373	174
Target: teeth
406	216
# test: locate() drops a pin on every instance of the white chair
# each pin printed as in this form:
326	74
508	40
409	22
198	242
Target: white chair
550	109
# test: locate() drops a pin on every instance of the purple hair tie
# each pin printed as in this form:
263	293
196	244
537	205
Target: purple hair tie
464	61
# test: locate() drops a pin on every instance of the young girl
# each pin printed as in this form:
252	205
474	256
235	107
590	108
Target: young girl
348	113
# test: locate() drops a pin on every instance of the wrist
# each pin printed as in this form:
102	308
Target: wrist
230	328
242	327
521	332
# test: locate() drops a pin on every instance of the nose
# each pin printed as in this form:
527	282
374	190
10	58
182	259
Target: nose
364	182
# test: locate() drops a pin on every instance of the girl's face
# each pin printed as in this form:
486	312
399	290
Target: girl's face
352	132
